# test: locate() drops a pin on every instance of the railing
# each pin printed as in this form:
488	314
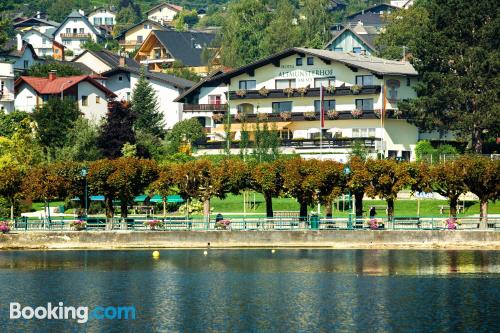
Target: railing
368	143
130	42
310	92
75	35
5	96
205	107
259	223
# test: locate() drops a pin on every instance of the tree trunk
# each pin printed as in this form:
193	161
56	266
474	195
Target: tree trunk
303	211
477	141
269	204
390	209
358	202
328	209
453	206
123	214
483	214
206	209
110	212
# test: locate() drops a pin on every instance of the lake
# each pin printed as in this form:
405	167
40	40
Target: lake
290	290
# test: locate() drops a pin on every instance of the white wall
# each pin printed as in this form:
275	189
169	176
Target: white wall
102	14
25	99
74	44
37	41
93	111
7	81
93	62
162	14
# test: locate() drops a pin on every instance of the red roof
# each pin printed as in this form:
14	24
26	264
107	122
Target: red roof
175	7
44	86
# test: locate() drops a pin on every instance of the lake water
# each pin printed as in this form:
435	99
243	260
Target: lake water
258	291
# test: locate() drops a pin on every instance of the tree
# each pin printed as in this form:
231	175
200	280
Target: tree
92	46
266	142
482	177
116	130
315	30
73	180
331	183
243	31
10	121
148	117
164	184
188	131
22	148
281	33
455	51
81	143
186	18
97	178
43	69
266	178
54	120
11	178
5	31
179	70
388	177
358	182
300	183
447	180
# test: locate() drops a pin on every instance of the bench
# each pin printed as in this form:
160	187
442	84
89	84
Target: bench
407	223
443	208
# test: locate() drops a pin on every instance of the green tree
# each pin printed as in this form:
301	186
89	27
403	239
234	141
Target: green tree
11	178
91	45
116	130
266	178
185	19
5	31
331	183
243	32
456	55
9	122
81	143
179	70
188	131
315	29
281	33
266	142
447	179
358	181
43	69
54	120
148	117
22	149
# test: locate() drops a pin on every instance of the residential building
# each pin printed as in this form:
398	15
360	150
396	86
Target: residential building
74	31
20	53
44	26
122	80
163	13
373	16
348	40
405	4
133	37
361	95
41	42
101	16
162	48
103	61
91	96
7	76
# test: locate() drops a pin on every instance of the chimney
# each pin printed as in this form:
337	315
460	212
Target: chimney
121	61
52	75
19	40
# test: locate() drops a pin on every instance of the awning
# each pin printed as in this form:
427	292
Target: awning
156	198
251	126
97	198
140	198
174	198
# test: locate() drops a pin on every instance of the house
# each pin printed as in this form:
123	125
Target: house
7	76
360	102
162	48
131	38
43	43
348	40
20	53
44	26
337	5
103	61
405	4
373	16
74	31
164	13
101	16
122	81
91	96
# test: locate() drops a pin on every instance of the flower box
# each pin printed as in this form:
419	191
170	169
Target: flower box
310	115
4	227
332	114
79	225
154	224
286	115
356	114
241	93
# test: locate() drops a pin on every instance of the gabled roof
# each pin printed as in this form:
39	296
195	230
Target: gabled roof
200	83
35	21
109	58
169	5
35	31
373	9
167	78
185	46
9	49
111	10
375	65
77	65
76	15
138	24
366	39
44	86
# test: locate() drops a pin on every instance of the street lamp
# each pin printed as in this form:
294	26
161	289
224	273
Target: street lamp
62	88
347	172
84	172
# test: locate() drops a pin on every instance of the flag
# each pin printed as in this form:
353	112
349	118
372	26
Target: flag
322	106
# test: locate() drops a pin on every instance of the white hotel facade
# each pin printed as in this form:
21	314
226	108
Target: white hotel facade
286	88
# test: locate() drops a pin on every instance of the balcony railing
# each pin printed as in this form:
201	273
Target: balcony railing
6	97
130	42
205	107
309	92
75	35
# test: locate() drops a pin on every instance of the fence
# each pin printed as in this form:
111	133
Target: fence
443	158
257	223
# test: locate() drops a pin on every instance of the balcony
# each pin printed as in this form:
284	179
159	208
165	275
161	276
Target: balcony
205	107
6	97
130	42
76	35
309	92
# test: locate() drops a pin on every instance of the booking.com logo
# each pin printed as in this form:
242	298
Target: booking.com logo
81	313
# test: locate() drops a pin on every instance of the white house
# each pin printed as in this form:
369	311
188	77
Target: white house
122	81
20	53
74	31
6	86
405	4
103	61
163	13
42	43
102	16
92	97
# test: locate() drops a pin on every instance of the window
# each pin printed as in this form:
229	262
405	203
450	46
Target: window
310	61
45	98
56	51
298	62
109	20
128	95
282	107
68	30
364	104
120	78
214	99
327	105
282	84
26	63
146	26
44	41
82	30
66	42
338	49
139	39
324	81
246	108
356	49
363	132
97	21
364	80
408	82
98	100
247	84
85	100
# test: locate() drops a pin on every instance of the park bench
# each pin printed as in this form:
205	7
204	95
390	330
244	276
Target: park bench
443	208
408	222
96	223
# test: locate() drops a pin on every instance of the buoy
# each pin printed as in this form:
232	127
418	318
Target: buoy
205	253
156	254
273	250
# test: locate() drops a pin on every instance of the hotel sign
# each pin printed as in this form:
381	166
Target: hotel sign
304	75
